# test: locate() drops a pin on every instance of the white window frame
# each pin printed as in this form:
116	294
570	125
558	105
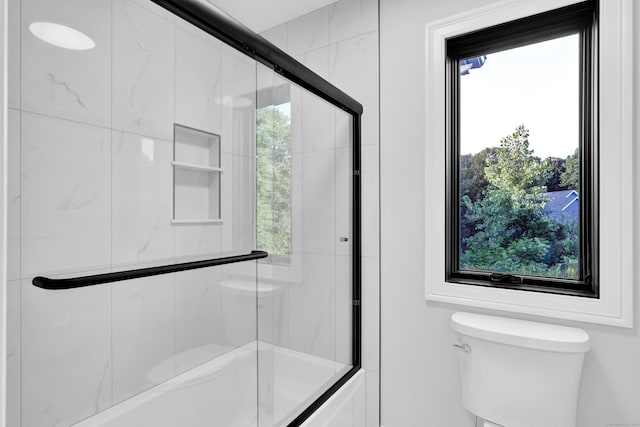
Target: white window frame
615	304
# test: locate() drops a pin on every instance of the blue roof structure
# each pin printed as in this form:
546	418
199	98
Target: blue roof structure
563	205
469	63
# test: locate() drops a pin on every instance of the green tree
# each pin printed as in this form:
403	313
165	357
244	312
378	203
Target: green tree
516	171
273	183
512	232
571	176
472	180
472	186
557	169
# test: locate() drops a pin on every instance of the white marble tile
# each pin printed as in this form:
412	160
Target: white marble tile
297	189
351	18
278	36
66	196
344	130
142	198
198	82
273	312
13	195
295	94
344	309
318	124
371	314
201	34
267	311
143	71
272	304
238	100
156	9
66	354
354	69
13	56
308	32
312	308
370	200
143	334
238	203
14	355
318	202
71	84
192	240
198	327
373	399
317	60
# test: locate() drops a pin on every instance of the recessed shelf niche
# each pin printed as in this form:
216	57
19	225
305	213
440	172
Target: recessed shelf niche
196	176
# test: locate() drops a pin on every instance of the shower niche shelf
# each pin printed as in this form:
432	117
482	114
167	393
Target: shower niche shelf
196	176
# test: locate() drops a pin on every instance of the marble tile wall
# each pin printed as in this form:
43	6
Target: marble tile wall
340	43
91	190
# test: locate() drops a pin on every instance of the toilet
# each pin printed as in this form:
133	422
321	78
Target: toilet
517	373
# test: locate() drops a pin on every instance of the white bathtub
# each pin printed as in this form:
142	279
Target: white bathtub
224	392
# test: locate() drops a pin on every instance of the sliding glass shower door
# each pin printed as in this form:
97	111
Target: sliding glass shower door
304	221
184	239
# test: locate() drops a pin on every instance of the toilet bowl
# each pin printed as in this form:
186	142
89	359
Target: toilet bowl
518	373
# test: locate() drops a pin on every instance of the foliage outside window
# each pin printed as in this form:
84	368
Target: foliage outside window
521	202
506	225
273	186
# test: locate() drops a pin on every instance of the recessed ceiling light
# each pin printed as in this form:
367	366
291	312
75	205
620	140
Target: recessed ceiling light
61	36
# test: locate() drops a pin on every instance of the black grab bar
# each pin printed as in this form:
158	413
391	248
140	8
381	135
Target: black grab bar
97	279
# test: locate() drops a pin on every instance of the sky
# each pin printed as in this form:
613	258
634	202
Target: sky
535	85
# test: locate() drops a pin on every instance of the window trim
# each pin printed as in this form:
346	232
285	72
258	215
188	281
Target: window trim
580	18
615	205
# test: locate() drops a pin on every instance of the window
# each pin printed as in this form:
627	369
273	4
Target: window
273	185
522	166
612	206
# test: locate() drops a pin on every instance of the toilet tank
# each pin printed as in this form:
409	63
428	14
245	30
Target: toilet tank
518	373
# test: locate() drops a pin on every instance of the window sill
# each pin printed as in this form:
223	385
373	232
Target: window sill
615	304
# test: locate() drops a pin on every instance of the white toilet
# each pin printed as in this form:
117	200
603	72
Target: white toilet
517	373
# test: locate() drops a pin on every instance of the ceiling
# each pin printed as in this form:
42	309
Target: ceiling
260	15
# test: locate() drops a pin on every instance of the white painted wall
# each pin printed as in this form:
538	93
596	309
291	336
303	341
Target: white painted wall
420	382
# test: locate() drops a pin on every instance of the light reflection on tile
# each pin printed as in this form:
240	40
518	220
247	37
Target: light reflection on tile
142	198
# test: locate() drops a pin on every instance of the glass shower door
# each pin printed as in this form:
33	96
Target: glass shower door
163	145
304	220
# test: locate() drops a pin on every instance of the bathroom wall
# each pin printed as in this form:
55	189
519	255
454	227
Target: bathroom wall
91	191
340	43
420	382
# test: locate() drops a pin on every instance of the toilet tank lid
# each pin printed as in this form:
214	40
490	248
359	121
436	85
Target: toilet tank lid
521	333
